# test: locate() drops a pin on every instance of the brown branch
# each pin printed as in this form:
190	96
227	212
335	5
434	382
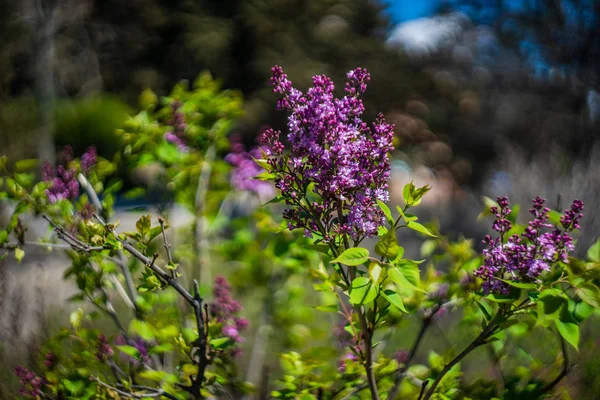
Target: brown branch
195	301
479	340
71	240
161	221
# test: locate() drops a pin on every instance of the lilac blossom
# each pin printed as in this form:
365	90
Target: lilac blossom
50	360
334	154
177	135
402	356
103	349
344	360
31	383
63	179
88	160
523	258
245	170
224	310
63	183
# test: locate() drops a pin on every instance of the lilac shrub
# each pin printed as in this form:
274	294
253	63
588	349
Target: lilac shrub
331	170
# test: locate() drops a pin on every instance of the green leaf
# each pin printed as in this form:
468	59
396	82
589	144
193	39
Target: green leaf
328	308
130	351
74	387
593	253
3	236
415	226
26	165
550	304
19	254
156	376
143	225
589	293
394	299
75	318
407	192
265	176
520	285
375	272
582	311
398	278
569	331
500	298
406	216
363	291
412	195
386	211
410	270
353	256
387	246
428	247
221	343
484	310
262	163
142	329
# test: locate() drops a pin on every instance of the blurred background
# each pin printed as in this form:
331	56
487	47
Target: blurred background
489	97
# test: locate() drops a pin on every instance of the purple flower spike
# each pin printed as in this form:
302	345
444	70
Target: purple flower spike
343	159
523	258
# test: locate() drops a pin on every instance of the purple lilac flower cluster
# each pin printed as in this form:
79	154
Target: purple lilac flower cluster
245	169
50	360
103	349
31	383
522	258
63	181
344	360
177	121
334	153
224	310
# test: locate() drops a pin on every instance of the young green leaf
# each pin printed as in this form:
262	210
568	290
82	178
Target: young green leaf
353	257
569	331
388	246
141	329
415	226
593	253
520	285
328	308
386	211
130	351
394	299
398	278
589	293
363	291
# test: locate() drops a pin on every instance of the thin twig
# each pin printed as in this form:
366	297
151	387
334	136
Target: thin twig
122	262
565	370
72	240
161	221
155	392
